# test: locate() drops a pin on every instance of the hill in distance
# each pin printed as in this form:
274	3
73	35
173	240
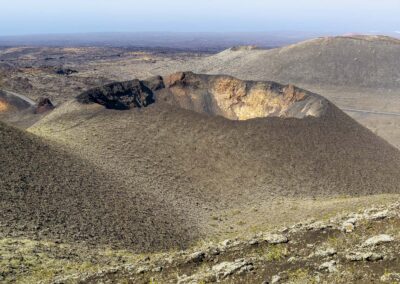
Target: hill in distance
351	61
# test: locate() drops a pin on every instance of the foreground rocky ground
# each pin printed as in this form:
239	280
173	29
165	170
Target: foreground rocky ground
360	247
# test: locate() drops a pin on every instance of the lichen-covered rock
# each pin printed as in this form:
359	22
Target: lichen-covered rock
318	225
224	269
377	240
379	215
204	277
196	257
276	279
364	256
275	239
348	227
329	266
391	277
325	252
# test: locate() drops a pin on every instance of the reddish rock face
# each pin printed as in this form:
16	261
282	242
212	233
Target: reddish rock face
3	106
44	105
240	100
174	79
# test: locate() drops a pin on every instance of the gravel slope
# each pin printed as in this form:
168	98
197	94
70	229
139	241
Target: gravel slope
206	166
47	193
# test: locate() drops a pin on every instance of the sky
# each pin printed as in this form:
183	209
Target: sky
24	17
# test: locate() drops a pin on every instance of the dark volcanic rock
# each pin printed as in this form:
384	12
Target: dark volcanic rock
65	71
44	105
122	95
154	83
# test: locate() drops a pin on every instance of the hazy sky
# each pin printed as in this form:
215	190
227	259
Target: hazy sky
71	16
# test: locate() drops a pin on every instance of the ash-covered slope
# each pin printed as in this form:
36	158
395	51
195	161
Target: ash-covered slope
194	159
346	61
47	193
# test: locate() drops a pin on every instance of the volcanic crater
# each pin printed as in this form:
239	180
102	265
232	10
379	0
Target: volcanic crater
214	95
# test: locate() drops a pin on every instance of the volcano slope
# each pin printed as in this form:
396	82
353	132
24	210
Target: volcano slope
360	74
20	111
48	194
212	166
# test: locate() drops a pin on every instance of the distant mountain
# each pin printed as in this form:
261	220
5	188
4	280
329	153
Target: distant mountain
195	41
351	61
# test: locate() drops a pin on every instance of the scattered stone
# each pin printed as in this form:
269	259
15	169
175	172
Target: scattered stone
379	215
246	269
318	225
142	269
224	269
196	278
329	266
214	251
362	256
129	267
374	257
275	239
355	256
157	269
326	252
391	277
169	260
253	242
235	244
377	240
196	257
226	243
395	206
352	220
348	227
284	230
275	279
